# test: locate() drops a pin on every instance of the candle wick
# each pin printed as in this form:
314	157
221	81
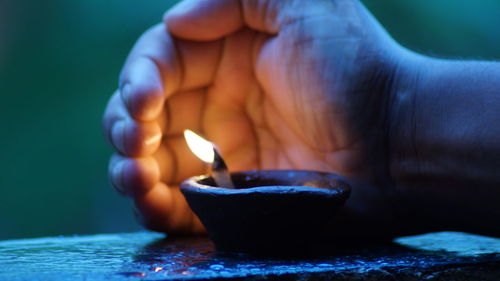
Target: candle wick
220	173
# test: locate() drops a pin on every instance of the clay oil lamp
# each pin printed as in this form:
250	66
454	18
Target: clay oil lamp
264	212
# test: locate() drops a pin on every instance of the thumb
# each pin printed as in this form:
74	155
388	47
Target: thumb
210	20
204	20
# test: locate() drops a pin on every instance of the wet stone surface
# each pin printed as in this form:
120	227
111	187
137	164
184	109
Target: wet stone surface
148	256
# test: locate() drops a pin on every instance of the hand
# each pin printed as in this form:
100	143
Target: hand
276	84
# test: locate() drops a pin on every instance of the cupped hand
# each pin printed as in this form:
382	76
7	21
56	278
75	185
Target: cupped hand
275	84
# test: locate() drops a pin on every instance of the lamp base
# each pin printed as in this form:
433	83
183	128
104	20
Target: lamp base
270	212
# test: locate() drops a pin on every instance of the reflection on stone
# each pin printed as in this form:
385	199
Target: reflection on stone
149	256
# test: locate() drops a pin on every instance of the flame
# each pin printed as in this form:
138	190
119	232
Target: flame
202	148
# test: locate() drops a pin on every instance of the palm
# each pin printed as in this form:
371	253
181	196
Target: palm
294	111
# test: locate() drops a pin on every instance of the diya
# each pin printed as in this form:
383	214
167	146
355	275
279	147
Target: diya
264	212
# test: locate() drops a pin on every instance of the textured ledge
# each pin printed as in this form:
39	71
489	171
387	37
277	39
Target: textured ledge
147	256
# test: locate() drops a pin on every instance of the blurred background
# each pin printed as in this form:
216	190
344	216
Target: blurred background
59	63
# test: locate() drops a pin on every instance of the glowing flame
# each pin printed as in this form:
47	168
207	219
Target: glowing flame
202	148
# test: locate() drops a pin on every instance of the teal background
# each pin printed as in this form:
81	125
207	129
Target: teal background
59	62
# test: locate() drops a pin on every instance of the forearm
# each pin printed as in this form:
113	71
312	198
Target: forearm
445	145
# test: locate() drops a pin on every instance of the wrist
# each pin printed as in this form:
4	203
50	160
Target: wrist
402	138
443	145
402	109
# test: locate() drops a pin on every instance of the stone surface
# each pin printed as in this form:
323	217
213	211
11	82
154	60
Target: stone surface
147	256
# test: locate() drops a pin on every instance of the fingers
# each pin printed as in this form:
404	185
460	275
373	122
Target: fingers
164	209
134	138
141	83
225	120
172	163
159	207
133	177
209	20
115	112
233	132
204	20
128	136
199	62
159	66
183	111
176	162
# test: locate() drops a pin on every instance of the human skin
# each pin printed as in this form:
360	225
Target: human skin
315	85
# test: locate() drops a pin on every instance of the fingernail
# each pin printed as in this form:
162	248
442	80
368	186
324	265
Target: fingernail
118	136
154	139
117	176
